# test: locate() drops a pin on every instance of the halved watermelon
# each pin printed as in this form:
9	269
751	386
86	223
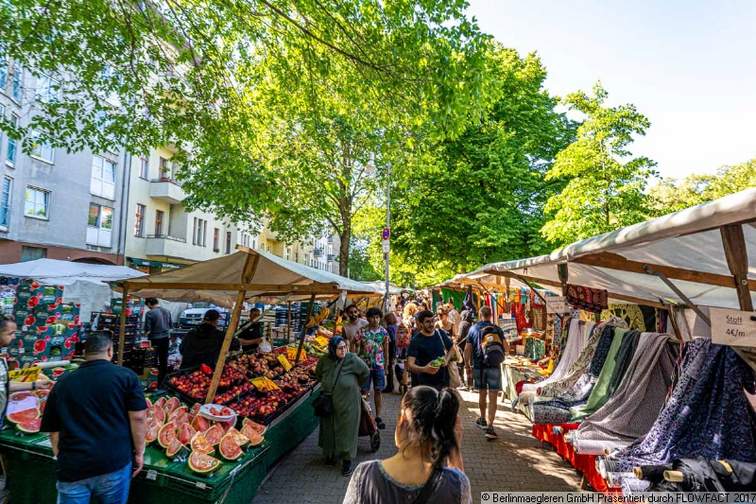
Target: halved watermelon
200	423
250	433
185	433
260	428
171	404
214	434
202	463
195	409
30	427
23	416
200	444
152	431
158	413
174	448
240	438
178	412
166	434
227	425
229	448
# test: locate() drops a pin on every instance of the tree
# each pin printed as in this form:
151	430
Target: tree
671	195
233	84
604	184
478	198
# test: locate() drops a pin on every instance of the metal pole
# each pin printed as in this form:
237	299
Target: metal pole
304	329
387	253
122	324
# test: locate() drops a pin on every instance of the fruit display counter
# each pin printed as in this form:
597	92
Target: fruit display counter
31	469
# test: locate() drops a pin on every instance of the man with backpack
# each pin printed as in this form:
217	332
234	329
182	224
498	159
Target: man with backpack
486	350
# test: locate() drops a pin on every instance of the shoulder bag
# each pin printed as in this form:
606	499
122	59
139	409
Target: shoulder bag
323	404
452	357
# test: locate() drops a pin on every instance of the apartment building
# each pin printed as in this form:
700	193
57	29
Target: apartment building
53	203
160	233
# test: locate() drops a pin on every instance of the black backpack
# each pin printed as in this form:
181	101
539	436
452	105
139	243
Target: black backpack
492	346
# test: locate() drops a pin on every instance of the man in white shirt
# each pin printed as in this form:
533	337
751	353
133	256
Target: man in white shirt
352	326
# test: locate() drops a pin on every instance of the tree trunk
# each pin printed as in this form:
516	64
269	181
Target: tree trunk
344	237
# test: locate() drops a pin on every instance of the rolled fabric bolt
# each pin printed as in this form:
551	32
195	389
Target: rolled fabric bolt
674	476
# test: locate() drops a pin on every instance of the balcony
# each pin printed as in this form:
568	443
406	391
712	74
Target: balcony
167	246
167	190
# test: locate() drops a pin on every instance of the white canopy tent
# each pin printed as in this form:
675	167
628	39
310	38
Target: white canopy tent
701	253
84	283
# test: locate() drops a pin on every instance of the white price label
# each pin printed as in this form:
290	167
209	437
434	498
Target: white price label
557	304
733	327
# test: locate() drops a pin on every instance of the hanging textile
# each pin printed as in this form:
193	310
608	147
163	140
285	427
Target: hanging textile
469	303
518	312
706	415
587	298
454	296
535	348
575	342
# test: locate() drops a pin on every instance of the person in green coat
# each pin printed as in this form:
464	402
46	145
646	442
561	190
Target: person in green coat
338	432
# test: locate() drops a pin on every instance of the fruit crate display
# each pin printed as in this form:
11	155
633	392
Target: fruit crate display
48	328
134	306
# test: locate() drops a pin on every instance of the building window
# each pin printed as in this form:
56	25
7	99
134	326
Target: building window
204	233
159	223
102	182
199	232
42	151
165	169
32	253
139	221
16	81
3	73
10	157
36	203
144	168
5	200
100	225
216	240
228	242
46	89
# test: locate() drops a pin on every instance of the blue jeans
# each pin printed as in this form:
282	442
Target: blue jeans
110	488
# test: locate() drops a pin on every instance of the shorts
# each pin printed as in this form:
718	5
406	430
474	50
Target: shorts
491	378
377	378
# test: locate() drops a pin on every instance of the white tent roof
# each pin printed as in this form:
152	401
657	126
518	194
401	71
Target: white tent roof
686	246
53	271
219	280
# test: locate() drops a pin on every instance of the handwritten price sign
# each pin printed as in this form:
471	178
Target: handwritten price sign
733	327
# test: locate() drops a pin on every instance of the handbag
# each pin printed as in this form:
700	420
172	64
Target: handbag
323	404
452	355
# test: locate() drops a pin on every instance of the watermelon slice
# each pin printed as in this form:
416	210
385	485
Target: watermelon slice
214	434
30	427
195	409
240	438
260	428
152	431
158	413
202	463
23	416
149	403
174	448
255	438
185	433
160	402
229	448
200	423
200	444
166	434
171	404
178	411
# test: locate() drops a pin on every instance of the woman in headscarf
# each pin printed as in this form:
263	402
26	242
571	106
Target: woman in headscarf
341	373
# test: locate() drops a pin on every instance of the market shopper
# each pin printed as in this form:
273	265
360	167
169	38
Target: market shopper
427	466
486	377
426	346
400	368
7	333
157	327
250	334
392	324
467	319
202	345
353	325
373	347
96	420
443	322
342	373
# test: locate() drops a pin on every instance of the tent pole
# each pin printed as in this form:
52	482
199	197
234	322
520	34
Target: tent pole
122	323
737	260
288	322
563	276
304	329
250	265
680	294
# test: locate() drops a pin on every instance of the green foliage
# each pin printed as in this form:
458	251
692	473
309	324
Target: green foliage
671	195
478	198
604	184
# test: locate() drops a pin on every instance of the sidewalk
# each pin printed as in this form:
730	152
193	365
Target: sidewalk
515	461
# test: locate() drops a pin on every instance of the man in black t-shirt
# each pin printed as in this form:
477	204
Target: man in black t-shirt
425	347
251	334
96	420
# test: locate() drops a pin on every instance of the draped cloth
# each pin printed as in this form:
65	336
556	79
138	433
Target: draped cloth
707	413
636	403
575	342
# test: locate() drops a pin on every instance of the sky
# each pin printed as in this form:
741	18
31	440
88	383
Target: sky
689	66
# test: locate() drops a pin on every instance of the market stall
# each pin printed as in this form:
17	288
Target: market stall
634	402
256	407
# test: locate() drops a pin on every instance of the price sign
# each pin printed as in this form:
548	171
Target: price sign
733	327
284	362
29	374
557	304
291	354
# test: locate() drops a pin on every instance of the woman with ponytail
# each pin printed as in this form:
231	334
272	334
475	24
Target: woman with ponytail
427	466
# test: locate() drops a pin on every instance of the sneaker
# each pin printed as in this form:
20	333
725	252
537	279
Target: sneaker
380	423
346	468
491	433
480	423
